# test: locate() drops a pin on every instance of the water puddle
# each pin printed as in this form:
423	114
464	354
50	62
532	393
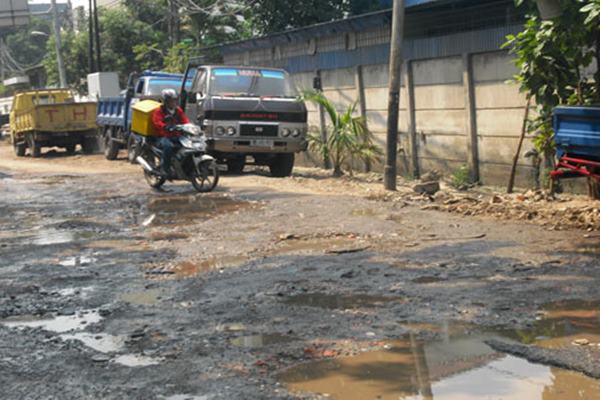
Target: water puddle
563	324
52	236
136	360
460	367
77	261
336	301
59	323
171	210
428	279
187	269
257	341
81	291
332	245
100	342
148	297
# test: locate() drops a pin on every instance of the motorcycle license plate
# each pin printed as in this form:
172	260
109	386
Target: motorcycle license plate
262	143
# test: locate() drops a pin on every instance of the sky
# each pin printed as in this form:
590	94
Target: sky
76	3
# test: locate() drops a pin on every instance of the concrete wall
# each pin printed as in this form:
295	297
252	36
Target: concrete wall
440	112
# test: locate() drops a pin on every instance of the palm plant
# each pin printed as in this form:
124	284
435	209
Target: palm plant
347	139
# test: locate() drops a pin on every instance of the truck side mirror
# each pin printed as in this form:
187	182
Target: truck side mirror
129	92
192	98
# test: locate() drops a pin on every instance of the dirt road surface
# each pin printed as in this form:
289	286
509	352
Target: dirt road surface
305	287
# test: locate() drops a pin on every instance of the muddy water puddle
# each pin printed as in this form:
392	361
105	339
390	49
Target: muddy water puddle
58	324
458	367
173	210
187	269
257	341
338	301
148	297
563	324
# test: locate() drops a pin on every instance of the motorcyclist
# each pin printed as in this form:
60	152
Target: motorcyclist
165	118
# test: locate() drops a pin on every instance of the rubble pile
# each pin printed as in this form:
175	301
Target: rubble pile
534	206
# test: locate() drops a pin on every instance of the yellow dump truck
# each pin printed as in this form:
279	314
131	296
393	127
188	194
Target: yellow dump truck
51	118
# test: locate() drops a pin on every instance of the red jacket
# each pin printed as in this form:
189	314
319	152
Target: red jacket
163	119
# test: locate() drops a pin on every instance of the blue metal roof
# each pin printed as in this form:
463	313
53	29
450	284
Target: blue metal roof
352	24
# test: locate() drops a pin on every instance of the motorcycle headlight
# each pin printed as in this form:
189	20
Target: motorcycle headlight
296	132
186	142
219	130
285	132
192	129
231	131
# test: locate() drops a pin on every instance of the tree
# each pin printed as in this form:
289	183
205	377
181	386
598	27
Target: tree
552	57
348	138
27	49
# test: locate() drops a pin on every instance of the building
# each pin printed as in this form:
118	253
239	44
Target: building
456	105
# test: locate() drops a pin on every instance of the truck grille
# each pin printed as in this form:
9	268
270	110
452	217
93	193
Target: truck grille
259	130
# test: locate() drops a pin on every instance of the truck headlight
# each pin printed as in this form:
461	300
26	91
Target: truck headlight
231	131
296	132
219	130
285	132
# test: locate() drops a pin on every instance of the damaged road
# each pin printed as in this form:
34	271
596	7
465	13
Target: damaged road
280	289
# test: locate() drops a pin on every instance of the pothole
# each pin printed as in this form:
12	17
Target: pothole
173	210
457	367
148	297
257	341
58	324
100	342
563	324
136	360
339	301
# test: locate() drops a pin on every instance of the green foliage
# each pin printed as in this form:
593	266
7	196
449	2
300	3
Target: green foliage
461	177
268	16
348	138
27	49
551	57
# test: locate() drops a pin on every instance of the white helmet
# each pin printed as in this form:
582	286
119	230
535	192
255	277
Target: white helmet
168	94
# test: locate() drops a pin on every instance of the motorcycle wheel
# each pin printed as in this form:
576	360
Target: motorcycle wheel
153	180
132	148
206	177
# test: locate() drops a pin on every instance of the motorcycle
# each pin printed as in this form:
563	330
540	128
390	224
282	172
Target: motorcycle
190	162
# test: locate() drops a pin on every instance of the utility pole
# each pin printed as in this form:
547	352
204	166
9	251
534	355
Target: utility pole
173	23
91	38
97	31
62	76
391	153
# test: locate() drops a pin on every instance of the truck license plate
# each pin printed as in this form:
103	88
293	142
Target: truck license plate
262	143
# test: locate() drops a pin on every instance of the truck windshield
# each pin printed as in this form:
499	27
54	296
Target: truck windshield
250	83
156	86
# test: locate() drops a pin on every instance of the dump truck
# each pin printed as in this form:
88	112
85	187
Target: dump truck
114	113
51	118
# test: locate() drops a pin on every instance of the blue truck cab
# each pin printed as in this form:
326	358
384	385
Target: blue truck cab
114	113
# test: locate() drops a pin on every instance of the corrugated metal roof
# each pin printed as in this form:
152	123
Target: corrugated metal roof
352	24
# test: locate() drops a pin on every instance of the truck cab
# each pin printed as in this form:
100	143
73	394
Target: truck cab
114	113
247	112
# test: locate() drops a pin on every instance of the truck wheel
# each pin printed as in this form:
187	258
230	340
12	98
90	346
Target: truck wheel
132	150
88	146
70	149
34	147
282	165
111	148
235	166
19	149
